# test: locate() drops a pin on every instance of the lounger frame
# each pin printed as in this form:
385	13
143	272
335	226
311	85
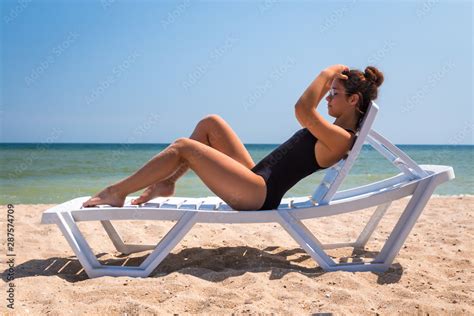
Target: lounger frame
415	181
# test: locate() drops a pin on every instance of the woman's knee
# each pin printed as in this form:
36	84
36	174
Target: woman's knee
210	120
185	148
180	143
179	146
214	127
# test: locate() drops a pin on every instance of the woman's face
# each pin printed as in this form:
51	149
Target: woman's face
338	100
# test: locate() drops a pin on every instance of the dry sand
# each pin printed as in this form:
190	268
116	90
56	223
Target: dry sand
249	269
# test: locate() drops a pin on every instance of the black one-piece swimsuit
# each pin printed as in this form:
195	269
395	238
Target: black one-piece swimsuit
286	165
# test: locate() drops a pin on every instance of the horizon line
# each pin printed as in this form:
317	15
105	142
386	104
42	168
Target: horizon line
103	143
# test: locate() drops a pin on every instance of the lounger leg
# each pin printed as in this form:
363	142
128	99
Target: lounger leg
169	241
314	248
406	222
77	242
305	239
122	247
371	225
92	266
393	244
366	232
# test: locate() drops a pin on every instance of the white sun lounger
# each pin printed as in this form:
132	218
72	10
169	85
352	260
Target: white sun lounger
417	181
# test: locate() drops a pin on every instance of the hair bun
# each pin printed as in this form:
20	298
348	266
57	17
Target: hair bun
373	74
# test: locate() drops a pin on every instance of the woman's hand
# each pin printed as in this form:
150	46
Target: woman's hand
317	89
335	72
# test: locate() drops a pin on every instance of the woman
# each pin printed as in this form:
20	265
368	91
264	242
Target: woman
216	154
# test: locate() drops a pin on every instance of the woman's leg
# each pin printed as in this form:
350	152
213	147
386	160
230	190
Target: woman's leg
227	178
213	131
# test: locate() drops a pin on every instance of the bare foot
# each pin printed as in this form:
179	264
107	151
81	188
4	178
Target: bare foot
108	196
163	188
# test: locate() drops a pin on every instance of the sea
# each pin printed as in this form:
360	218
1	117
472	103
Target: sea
47	173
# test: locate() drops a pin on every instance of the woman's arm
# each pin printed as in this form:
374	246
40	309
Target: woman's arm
315	92
333	137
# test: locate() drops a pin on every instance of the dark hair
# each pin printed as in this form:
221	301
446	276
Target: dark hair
365	84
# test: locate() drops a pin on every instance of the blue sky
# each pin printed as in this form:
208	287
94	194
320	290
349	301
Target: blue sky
147	71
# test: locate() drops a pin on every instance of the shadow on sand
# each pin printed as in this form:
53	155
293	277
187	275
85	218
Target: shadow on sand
204	263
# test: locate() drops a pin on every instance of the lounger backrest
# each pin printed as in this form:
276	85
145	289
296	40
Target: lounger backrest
396	156
335	175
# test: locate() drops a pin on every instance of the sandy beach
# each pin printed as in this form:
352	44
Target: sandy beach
249	269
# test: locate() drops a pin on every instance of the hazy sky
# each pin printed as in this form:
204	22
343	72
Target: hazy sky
148	71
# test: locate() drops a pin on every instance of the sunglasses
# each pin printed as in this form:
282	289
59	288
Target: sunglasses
333	93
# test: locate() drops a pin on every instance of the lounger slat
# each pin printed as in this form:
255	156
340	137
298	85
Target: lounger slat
156	202
159	200
285	203
173	202
300	202
211	203
224	207
191	203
